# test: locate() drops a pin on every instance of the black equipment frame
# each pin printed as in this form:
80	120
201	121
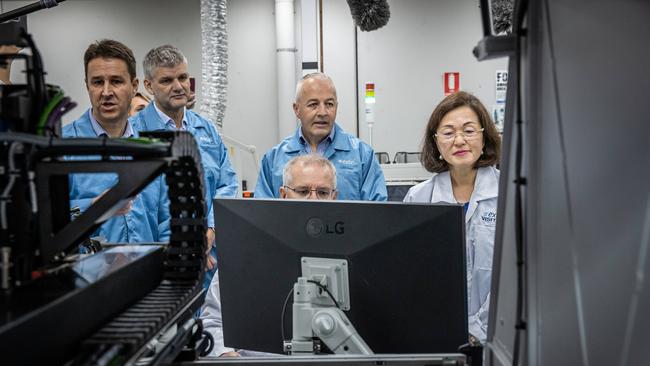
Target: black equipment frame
169	281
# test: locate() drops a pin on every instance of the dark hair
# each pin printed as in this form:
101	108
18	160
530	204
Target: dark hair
108	48
491	140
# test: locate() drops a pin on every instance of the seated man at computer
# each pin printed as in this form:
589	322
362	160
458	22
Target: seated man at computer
304	177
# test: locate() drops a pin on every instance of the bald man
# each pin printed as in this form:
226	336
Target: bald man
359	175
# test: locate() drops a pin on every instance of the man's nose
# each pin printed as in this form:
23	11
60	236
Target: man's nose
107	90
322	110
177	85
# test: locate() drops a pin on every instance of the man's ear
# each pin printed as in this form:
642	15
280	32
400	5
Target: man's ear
335	194
295	110
147	85
283	192
135	83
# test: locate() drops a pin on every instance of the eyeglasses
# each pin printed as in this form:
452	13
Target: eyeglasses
449	135
304	192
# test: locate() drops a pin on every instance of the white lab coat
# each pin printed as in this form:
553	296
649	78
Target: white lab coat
480	222
211	317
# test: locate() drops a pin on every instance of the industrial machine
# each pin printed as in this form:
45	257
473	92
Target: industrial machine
116	304
571	248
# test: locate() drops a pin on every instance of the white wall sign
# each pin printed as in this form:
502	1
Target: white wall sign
501	85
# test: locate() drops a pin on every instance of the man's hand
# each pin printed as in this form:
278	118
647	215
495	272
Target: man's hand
122	211
209	238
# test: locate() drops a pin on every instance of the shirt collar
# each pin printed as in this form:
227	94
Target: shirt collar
168	121
100	131
303	140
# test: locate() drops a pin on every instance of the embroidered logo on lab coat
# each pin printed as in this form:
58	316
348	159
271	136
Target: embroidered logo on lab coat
205	140
346	162
489	218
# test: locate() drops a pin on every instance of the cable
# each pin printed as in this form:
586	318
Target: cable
35	82
286	301
51	105
324	288
520	181
12	179
211	346
284	310
63	107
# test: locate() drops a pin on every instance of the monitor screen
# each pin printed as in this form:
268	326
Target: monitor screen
406	263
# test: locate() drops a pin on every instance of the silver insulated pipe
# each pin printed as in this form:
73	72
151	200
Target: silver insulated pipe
214	34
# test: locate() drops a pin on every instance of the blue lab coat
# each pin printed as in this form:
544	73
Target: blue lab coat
148	220
358	174
220	179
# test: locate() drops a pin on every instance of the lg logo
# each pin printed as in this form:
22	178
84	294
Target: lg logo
317	228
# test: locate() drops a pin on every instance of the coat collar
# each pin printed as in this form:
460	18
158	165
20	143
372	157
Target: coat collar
150	119
84	126
486	186
340	142
167	121
100	131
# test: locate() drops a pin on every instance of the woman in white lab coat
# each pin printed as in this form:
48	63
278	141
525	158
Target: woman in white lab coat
461	146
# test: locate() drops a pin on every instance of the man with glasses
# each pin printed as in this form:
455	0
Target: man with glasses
309	177
358	172
304	177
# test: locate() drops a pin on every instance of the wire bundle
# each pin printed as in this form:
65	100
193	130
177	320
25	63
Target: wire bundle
57	106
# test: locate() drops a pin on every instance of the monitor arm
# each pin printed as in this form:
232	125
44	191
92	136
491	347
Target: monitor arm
326	322
319	298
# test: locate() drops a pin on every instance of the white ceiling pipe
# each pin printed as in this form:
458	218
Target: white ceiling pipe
286	62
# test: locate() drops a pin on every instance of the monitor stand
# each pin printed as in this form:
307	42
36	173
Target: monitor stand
319	298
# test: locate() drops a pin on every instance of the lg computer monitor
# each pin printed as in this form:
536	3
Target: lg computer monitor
406	262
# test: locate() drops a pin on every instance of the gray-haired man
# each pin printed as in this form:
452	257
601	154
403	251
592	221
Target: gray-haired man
309	177
304	177
168	80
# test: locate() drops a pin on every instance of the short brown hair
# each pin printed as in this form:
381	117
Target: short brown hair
108	48
491	140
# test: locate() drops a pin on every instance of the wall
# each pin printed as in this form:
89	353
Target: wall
251	109
63	33
338	59
406	59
